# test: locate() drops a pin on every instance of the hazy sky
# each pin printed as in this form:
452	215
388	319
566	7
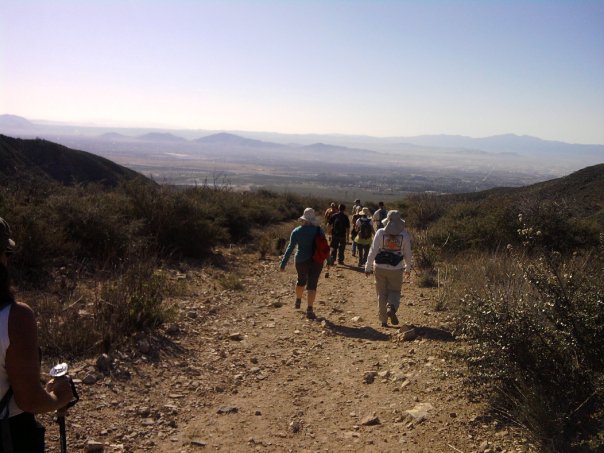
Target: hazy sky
372	67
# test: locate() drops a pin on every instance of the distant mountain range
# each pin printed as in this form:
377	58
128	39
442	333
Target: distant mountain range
28	159
503	159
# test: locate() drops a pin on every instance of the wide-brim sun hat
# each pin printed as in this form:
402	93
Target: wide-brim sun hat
393	223
309	216
6	243
366	211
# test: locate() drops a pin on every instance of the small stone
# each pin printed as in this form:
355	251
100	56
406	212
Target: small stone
227	410
103	364
295	426
408	335
236	336
92	446
371	420
89	379
144	347
173	329
199	443
357	319
369	377
420	412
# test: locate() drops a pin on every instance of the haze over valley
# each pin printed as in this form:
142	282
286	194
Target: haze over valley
344	165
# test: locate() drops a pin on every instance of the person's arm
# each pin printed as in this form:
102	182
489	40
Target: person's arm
293	241
348	227
23	366
407	254
373	251
375	219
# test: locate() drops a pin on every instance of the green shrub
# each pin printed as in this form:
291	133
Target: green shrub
427	279
537	333
424	209
134	301
66	328
551	225
231	281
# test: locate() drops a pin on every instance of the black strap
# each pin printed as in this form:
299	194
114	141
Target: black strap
4	410
7	440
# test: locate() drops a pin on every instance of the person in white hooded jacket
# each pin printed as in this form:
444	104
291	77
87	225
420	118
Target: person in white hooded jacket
389	256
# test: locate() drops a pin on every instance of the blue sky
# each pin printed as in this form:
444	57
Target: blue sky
382	68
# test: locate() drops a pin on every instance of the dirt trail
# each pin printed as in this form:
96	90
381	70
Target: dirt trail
243	370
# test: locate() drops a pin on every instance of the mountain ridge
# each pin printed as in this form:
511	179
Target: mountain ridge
37	158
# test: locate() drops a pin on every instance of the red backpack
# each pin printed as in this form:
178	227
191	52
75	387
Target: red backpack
321	247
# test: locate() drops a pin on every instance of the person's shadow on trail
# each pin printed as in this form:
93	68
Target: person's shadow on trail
365	332
352	267
429	333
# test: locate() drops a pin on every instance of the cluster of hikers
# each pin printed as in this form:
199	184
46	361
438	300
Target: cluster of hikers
380	241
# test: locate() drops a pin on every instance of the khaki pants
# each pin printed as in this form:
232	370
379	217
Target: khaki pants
388	285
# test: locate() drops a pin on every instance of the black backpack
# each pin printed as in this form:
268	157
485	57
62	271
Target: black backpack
366	230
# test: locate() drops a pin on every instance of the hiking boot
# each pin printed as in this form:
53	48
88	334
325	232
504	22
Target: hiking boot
384	324
391	312
298	303
310	314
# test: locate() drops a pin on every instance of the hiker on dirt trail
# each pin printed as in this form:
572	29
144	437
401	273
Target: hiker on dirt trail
364	235
390	247
339	226
303	237
356	206
20	389
379	216
356	213
329	212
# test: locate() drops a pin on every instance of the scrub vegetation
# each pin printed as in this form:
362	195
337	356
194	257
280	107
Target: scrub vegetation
521	269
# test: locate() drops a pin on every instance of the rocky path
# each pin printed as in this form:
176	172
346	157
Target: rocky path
242	370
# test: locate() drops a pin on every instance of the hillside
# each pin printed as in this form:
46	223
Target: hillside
29	159
584	188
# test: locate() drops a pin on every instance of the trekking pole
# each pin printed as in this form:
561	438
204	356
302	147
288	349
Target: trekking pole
55	372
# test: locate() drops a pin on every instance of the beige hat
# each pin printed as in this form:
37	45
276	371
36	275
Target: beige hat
366	211
309	216
6	243
393	224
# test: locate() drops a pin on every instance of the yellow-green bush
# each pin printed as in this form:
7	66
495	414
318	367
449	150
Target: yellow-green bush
536	329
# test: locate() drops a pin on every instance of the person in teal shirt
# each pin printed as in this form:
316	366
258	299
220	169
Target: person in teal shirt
302	238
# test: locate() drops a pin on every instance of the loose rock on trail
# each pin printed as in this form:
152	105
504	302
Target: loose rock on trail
243	370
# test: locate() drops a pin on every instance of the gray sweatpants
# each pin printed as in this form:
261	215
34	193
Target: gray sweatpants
388	285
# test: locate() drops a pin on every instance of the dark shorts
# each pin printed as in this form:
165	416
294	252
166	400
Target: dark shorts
308	274
27	434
